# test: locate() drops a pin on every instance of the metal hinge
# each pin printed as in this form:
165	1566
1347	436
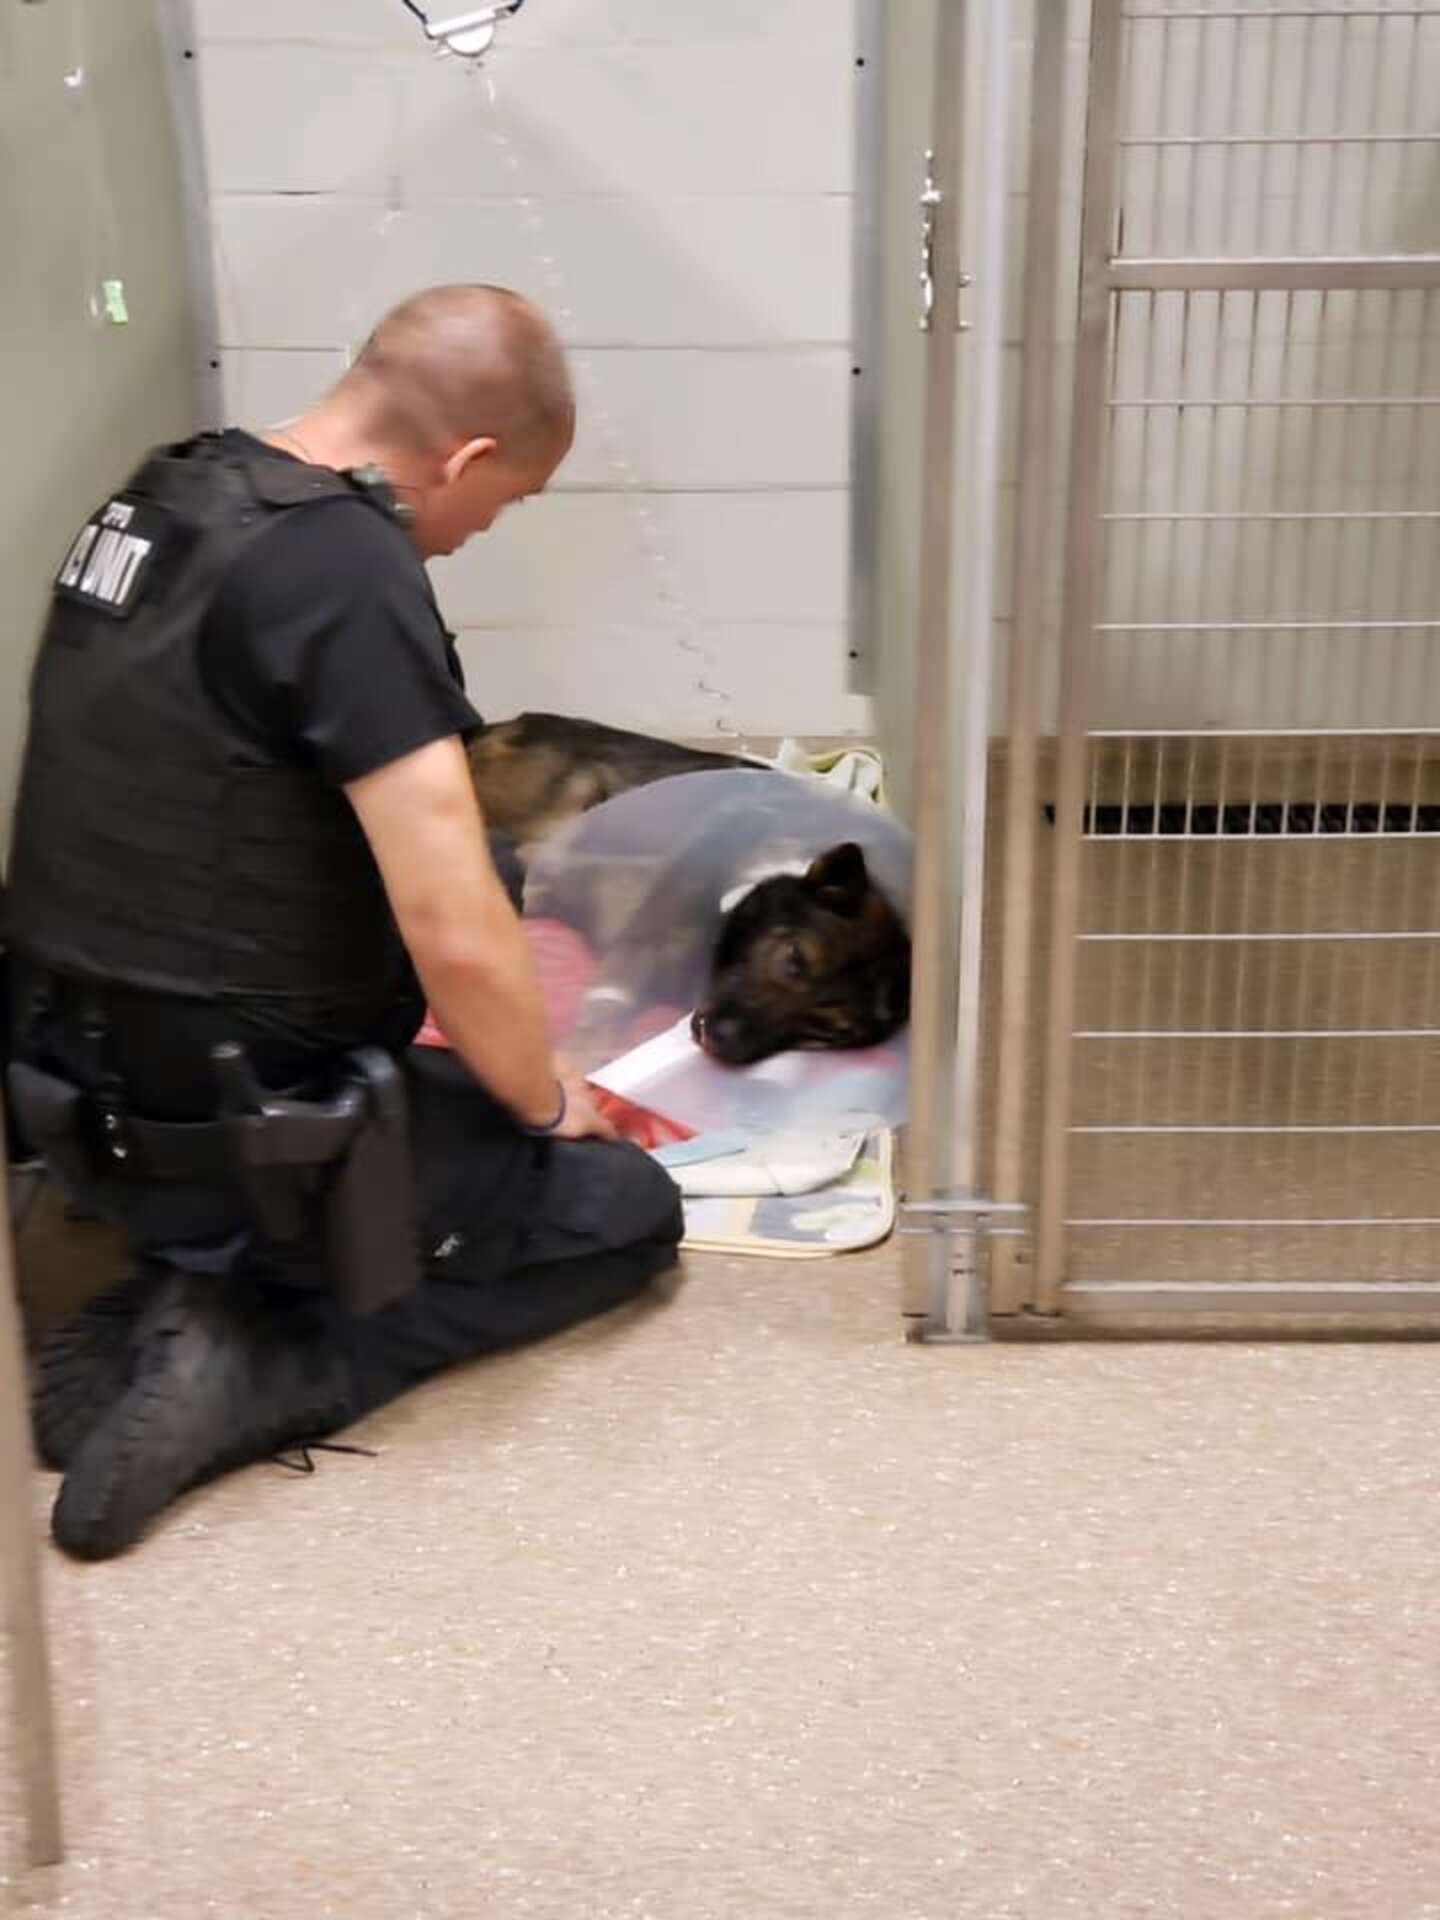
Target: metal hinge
931	200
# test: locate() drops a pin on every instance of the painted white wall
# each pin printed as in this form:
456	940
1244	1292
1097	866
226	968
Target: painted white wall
672	180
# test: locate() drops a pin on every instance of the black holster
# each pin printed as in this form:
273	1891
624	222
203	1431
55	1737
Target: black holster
331	1174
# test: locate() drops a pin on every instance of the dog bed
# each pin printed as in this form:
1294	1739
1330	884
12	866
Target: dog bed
836	1215
751	1181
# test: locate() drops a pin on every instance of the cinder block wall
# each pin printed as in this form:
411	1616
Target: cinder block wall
672	179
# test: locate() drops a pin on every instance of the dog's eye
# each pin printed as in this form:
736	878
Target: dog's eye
793	961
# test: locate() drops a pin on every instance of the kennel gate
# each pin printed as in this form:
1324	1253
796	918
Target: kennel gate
1222	1087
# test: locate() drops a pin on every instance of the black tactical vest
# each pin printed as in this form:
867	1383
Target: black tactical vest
156	845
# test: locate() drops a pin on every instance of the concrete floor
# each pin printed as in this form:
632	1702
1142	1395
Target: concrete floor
738	1606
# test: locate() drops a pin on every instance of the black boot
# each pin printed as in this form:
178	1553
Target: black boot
83	1364
227	1373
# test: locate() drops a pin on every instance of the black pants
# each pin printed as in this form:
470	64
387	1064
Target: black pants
522	1237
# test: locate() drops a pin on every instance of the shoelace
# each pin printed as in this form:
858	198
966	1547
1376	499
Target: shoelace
305	1448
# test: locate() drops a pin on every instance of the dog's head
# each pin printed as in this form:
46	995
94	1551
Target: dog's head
817	960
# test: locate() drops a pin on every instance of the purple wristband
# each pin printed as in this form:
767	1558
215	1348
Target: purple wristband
559	1119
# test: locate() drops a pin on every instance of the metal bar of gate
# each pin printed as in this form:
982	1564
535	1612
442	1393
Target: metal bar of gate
925	1256
1083	567
966	1304
1207	291
1255	12
1031	591
24	1624
1406	272
1417	1299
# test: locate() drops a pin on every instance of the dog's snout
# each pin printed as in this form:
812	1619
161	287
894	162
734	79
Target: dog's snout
722	1035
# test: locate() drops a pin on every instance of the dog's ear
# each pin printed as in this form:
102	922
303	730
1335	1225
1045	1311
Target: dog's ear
839	878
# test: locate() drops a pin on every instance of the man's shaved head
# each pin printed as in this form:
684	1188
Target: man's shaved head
459	363
461	398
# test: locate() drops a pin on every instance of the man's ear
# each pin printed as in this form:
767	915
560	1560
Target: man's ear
465	455
839	878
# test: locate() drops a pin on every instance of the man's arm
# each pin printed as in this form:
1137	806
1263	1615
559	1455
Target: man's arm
422	819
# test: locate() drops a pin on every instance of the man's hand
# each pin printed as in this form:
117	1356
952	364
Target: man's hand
422	819
583	1119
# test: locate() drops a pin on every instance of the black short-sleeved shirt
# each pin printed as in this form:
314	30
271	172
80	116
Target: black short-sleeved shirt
325	641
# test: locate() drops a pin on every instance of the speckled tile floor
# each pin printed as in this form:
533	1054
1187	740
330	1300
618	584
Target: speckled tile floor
737	1606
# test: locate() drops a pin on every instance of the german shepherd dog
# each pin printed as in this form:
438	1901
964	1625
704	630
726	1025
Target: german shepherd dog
818	959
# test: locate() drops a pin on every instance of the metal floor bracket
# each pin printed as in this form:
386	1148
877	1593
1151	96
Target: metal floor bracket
957	1224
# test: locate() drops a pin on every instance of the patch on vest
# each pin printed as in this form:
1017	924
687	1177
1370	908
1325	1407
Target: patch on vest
113	556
